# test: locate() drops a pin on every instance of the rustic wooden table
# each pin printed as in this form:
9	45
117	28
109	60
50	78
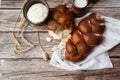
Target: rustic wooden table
34	67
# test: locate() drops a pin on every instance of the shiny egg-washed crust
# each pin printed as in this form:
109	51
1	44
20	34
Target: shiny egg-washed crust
62	18
87	35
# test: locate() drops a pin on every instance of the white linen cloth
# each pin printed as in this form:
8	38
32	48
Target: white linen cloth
98	58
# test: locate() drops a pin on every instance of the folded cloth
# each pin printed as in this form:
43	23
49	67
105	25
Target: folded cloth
98	58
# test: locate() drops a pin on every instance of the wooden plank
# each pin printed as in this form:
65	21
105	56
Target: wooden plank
108	3
35	69
52	3
6	46
110	12
18	3
8	18
7	22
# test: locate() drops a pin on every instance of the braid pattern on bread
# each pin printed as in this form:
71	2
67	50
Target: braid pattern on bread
87	35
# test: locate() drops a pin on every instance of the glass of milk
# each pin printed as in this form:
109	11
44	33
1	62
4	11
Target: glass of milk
79	7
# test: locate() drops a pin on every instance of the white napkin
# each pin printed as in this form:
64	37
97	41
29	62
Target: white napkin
98	58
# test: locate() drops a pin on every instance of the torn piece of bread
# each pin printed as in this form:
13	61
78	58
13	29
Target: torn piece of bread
63	35
60	25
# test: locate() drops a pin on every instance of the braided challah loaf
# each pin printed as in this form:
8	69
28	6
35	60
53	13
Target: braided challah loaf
84	38
80	40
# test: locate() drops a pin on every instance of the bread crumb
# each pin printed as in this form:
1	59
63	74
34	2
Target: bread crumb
54	48
49	39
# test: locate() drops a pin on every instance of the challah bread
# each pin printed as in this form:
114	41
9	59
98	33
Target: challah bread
84	38
60	26
62	15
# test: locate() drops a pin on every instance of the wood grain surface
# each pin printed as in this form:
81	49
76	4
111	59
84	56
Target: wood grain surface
34	67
